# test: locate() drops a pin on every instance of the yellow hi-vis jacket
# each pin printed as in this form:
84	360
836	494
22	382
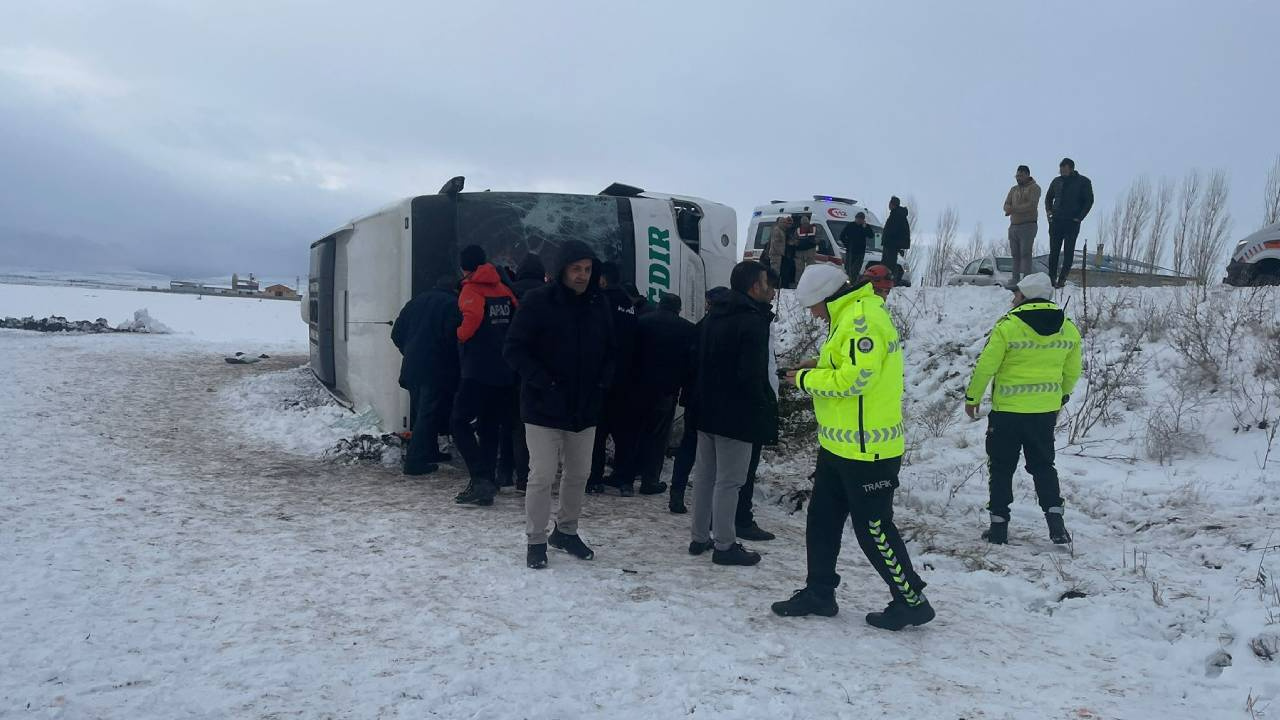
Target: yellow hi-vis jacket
857	385
1033	354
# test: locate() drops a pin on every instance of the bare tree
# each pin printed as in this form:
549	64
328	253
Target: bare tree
1134	218
976	247
1271	195
1159	225
943	258
913	213
1109	226
1212	224
1187	209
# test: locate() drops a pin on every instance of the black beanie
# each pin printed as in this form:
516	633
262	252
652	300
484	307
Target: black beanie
471	257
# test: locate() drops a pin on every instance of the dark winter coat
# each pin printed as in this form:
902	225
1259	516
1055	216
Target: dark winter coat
1070	197
531	274
425	334
732	394
857	237
561	344
664	345
487	306
625	316
897	230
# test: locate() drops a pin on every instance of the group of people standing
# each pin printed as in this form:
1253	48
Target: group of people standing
794	243
549	361
1066	205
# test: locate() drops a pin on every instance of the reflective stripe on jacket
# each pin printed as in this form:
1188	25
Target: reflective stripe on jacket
1032	368
857	385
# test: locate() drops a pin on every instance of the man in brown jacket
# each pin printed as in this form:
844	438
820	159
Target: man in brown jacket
1022	206
779	238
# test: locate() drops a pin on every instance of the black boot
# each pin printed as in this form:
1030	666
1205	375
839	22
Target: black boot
697	548
676	503
522	484
537	556
753	533
808	602
1057	528
571	544
653	488
626	490
420	469
735	555
998	533
479	493
899	614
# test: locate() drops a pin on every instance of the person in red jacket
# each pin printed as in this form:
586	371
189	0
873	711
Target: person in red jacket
485	392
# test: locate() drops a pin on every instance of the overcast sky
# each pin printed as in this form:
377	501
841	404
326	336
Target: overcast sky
199	137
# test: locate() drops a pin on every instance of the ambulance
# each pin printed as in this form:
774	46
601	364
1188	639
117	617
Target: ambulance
364	272
1256	259
829	215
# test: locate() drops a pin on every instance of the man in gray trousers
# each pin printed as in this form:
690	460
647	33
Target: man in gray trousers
1022	205
734	407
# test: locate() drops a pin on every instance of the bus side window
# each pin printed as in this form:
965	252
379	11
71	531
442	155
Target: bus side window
688	217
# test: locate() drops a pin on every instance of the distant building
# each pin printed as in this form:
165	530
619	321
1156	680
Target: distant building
280	291
247	287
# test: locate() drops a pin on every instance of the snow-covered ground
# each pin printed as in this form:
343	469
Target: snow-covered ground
175	546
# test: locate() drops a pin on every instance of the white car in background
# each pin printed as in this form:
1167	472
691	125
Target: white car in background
992	270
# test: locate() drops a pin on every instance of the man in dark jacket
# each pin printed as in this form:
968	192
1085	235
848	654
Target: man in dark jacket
664	341
425	334
619	420
896	237
1067	203
735	408
855	238
513	457
484	396
561	345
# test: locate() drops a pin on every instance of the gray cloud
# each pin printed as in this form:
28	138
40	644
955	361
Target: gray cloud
202	136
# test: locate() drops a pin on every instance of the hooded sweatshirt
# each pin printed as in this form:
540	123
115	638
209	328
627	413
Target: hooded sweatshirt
1033	359
487	306
529	275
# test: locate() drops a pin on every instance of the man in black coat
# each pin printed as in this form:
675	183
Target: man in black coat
425	333
664	342
619	422
735	408
896	237
855	238
561	345
1067	203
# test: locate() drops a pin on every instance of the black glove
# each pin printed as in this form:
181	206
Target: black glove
1065	398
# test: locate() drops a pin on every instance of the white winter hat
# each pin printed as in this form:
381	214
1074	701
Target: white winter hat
819	282
1036	286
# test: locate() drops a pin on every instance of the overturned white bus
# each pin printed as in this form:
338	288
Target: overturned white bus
363	273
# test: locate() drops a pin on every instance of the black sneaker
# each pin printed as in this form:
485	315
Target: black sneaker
899	614
595	488
754	533
571	544
505	479
466	492
522	484
653	488
697	548
807	602
537	556
1057	528
481	495
423	469
735	555
997	534
627	490
676	503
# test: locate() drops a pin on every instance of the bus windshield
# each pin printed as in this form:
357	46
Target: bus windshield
511	225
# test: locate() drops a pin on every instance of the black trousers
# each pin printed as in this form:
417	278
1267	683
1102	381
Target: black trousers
430	406
744	516
853	259
1062	244
1031	434
658	414
513	452
846	488
487	406
686	454
620	423
889	256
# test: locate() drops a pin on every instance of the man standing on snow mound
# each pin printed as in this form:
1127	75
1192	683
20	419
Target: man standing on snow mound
562	346
1033	354
856	385
1022	206
425	332
484	396
896	237
1068	201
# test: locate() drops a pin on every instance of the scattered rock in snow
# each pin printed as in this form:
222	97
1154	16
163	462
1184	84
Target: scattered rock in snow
57	323
143	322
366	448
1215	663
242	359
1266	646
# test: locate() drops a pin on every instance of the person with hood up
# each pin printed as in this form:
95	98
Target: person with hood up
735	408
856	384
664	341
1022	205
1068	202
484	396
1033	359
562	346
896	237
619	422
425	333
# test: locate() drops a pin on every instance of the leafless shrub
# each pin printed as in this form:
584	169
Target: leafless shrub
1207	333
1171	426
1154	248
1182	229
1113	385
944	256
939	416
1212	227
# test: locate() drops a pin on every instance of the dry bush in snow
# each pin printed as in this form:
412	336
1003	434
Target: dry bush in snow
1113	384
1172	426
